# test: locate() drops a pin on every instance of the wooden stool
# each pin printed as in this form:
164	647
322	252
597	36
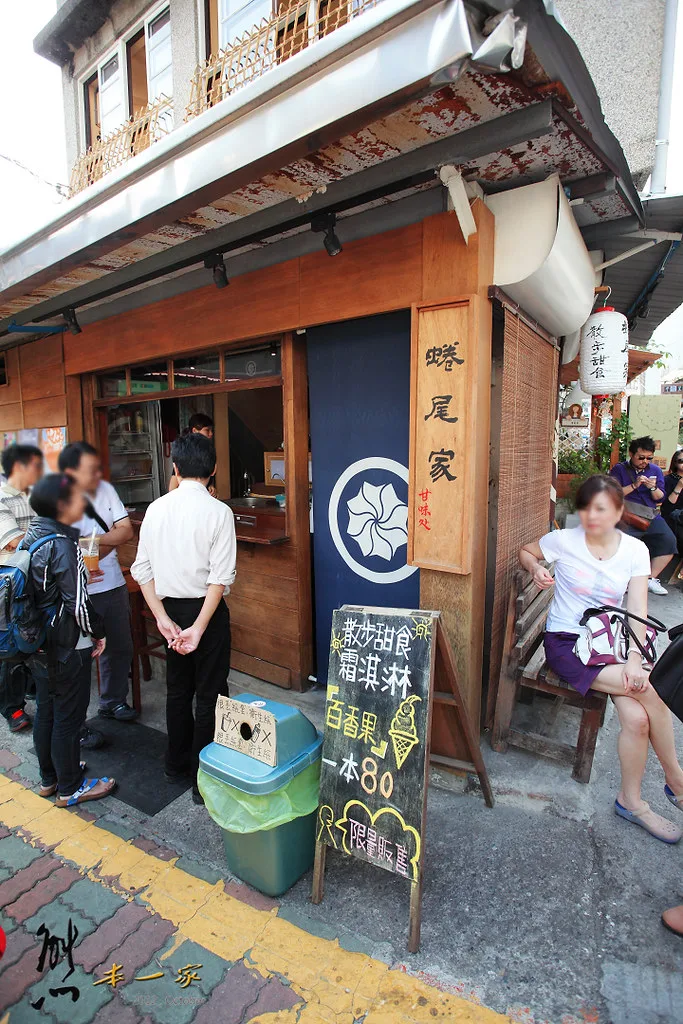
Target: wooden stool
144	646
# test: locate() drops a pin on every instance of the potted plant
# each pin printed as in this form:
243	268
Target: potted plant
573	468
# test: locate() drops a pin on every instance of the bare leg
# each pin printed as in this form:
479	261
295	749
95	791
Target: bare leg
661	733
662	737
659	564
632	747
673	919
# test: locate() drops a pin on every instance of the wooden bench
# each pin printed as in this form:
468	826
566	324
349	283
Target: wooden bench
524	666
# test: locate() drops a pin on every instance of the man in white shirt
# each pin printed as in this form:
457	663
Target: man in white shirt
185	565
106	514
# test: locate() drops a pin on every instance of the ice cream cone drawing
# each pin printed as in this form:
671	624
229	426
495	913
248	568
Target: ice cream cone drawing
403	731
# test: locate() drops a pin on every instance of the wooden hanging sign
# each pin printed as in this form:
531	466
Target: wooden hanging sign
443	414
376	747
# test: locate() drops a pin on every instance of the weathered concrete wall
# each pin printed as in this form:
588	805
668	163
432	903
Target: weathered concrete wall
621	43
125	14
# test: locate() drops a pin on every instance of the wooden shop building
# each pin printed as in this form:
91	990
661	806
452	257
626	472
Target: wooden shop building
366	292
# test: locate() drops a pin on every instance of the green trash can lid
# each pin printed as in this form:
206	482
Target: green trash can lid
298	744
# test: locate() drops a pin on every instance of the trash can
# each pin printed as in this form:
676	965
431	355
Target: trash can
267	815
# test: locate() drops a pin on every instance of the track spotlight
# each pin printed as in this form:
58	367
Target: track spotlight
216	265
325	223
71	321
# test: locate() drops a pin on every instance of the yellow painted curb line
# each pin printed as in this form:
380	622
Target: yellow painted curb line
337	986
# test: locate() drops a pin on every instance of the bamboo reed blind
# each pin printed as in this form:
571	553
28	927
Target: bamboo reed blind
529	405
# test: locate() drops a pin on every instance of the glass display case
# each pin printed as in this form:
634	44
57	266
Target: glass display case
133	433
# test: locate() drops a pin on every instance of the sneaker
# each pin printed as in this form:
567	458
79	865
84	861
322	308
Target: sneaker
91	739
655	587
197	798
18	721
121	712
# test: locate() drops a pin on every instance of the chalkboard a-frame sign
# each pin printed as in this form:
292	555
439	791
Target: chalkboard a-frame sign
375	758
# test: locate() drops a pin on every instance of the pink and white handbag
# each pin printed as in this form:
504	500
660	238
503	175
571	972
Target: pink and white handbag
606	636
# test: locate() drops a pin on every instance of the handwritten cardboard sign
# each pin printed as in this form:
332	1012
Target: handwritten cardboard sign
246	728
376	741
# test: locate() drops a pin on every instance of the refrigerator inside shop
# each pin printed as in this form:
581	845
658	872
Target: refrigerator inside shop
134	434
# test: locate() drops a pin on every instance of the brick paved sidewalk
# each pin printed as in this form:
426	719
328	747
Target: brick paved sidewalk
102	927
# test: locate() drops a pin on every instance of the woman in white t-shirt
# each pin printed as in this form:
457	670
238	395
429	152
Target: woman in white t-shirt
597	564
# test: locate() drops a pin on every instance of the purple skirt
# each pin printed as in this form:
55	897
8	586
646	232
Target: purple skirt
559	652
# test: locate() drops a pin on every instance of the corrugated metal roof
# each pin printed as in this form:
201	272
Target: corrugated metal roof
630	278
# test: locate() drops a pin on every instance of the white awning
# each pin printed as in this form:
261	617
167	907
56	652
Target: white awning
541	260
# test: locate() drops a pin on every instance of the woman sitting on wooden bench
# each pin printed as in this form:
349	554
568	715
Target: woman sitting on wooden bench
598	564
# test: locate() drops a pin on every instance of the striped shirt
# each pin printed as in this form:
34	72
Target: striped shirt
15	514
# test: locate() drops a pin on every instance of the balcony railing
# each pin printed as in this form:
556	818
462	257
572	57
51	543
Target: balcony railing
134	136
297	24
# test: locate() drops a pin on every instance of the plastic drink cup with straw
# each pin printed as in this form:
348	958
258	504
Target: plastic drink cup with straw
90	549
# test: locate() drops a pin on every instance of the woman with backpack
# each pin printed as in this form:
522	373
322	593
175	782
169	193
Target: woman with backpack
62	667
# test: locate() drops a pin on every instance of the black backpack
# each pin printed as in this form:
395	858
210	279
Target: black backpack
23	626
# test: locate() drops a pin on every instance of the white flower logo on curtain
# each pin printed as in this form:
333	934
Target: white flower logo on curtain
378	520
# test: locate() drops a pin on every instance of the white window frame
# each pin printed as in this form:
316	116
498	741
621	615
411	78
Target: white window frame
121	84
120	48
156	13
222	43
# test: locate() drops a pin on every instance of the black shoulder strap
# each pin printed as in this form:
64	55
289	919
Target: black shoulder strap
92	514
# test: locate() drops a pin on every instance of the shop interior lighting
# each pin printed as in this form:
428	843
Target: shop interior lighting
273	349
325	223
216	265
71	321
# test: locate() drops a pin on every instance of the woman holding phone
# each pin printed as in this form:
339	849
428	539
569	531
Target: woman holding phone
672	506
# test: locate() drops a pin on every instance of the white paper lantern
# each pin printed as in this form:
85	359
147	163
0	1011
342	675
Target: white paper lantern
604	352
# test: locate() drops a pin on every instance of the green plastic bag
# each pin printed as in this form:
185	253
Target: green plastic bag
241	812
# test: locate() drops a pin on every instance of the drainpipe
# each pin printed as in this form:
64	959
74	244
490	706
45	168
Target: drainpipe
658	179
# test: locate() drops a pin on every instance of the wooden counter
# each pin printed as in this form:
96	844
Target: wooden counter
263	524
267	621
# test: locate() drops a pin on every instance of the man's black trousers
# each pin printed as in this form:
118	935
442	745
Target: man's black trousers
202	674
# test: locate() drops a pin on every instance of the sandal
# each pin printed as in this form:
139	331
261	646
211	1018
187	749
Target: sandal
661	829
677	801
47	791
87	791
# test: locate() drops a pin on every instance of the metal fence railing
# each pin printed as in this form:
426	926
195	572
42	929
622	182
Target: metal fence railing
297	25
134	136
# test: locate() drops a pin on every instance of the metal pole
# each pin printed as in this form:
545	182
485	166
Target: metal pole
658	179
